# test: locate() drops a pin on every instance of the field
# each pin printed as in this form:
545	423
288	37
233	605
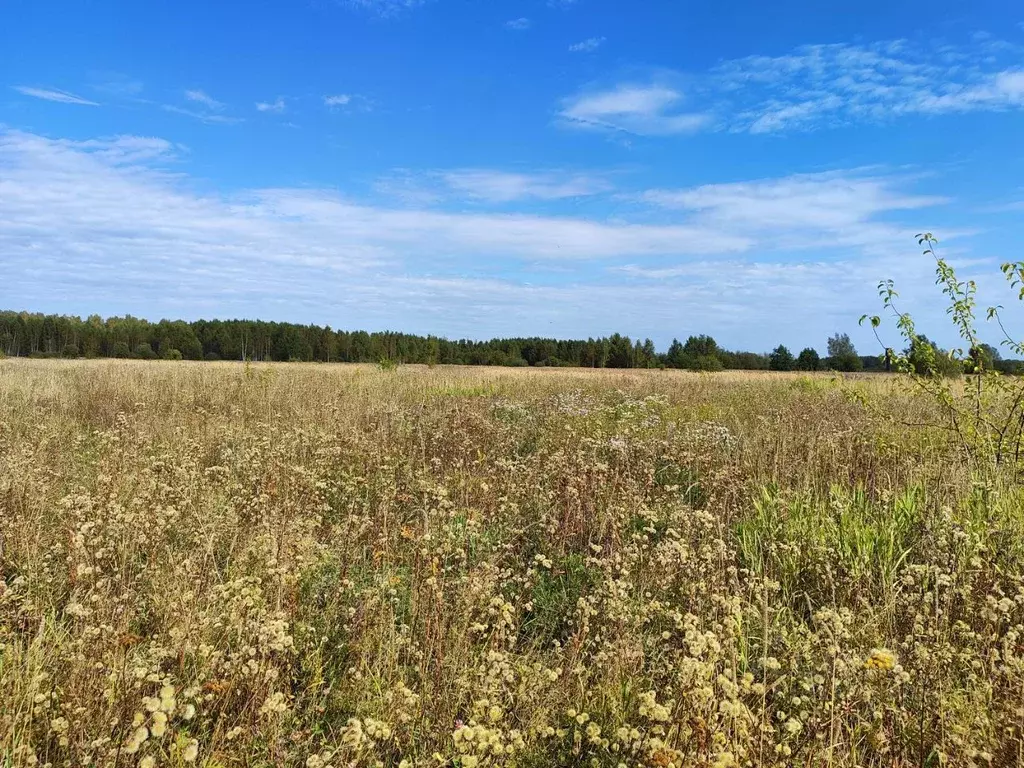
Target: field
322	565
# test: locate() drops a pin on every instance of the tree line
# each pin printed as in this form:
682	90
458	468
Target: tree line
40	335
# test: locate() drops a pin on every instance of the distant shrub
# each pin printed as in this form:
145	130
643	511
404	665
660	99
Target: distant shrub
144	351
709	363
121	349
172	354
387	364
211	356
70	350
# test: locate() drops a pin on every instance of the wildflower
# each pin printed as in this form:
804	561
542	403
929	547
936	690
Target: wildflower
881	658
147	762
138	737
191	752
159	726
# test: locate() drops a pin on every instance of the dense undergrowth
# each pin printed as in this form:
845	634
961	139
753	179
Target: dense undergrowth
320	566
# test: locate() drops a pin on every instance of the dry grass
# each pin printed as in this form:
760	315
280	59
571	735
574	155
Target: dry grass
223	565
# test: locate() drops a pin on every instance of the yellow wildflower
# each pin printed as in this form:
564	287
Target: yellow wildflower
881	658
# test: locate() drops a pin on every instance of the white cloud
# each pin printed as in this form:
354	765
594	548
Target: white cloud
834	205
116	84
113	225
641	109
384	7
205	117
518	25
503	186
842	83
588	45
51	94
815	86
201	97
338	100
277	105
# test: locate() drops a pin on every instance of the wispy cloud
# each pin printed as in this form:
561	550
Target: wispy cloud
802	211
503	186
337	100
588	45
205	117
277	105
116	84
384	8
834	84
634	108
52	94
201	97
488	186
518	25
813	86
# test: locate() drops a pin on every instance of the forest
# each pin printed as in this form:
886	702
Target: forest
25	334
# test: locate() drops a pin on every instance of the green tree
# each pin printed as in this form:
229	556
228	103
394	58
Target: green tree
781	359
842	356
620	351
984	357
676	357
649	355
701	346
925	358
808	360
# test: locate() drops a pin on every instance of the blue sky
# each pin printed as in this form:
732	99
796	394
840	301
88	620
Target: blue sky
508	167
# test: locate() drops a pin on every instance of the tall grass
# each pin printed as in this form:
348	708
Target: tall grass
221	564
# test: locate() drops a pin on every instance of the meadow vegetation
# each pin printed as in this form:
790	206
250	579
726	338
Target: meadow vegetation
224	564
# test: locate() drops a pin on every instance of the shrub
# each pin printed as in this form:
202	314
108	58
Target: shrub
710	363
986	415
144	351
171	354
70	350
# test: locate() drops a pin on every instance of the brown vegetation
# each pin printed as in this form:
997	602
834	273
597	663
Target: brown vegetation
224	564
